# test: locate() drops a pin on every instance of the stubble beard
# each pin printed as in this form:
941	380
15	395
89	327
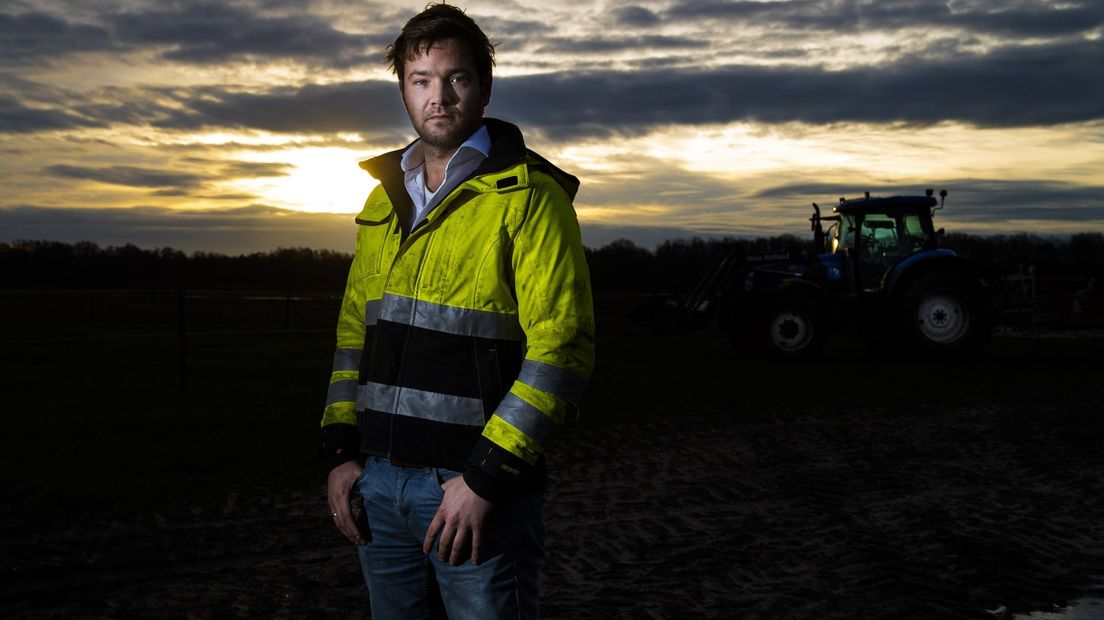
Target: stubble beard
447	138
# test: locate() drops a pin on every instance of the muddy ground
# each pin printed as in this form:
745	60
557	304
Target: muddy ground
867	513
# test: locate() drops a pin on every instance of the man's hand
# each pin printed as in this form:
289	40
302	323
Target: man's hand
459	520
339	485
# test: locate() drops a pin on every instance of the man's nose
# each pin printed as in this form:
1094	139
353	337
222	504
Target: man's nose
445	94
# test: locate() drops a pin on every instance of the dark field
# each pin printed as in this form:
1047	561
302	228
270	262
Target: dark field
695	484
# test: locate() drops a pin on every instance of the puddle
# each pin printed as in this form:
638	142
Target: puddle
1088	608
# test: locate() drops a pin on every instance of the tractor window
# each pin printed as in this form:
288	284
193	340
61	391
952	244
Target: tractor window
844	234
913	236
891	236
912	226
879	234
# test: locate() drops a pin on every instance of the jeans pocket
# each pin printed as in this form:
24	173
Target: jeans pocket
366	478
442	475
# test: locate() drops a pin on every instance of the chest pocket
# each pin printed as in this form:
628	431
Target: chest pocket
376	234
464	238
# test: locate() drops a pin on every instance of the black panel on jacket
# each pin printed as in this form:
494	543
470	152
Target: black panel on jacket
444	363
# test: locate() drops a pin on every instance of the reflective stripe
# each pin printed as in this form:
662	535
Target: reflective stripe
502	434
552	379
526	418
341	391
420	404
347	359
372	311
450	319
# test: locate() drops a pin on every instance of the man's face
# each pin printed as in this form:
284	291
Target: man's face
442	95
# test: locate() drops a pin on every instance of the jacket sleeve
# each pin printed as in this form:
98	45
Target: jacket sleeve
340	439
556	312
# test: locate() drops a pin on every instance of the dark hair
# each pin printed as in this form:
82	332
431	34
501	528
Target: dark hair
437	23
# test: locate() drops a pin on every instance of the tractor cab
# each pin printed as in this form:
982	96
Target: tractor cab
870	237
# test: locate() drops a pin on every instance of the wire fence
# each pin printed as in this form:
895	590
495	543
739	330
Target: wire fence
100	317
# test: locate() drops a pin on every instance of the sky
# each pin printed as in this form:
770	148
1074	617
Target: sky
237	126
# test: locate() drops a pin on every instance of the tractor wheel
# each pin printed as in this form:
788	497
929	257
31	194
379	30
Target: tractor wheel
792	328
943	316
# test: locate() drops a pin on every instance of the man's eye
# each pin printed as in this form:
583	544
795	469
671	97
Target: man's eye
460	79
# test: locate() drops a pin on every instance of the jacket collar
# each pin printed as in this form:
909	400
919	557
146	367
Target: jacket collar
507	151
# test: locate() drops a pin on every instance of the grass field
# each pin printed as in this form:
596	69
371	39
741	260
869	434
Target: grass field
95	424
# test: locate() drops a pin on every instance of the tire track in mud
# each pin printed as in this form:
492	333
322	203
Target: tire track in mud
875	514
867	513
276	561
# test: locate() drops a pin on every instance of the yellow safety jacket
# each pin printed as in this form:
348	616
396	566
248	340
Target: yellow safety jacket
464	342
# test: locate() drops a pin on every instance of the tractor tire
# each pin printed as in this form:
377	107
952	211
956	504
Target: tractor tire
943	316
791	328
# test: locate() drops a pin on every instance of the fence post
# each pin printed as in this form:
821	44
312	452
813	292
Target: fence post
287	309
181	337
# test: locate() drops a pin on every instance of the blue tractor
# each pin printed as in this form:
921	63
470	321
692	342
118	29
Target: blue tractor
878	271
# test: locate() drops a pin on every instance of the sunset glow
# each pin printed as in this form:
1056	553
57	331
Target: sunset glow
319	180
124	119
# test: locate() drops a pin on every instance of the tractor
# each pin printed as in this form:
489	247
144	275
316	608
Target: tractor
878	271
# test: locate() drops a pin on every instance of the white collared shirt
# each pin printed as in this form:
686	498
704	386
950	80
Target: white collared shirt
465	160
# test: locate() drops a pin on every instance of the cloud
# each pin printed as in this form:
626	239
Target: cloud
367	107
635	16
1022	18
173	183
1038	18
996	202
192	32
256	228
1009	87
1014	86
722	9
31	38
209	33
256	169
341	35
979	201
130	176
497	27
15	117
649	237
32	106
601	44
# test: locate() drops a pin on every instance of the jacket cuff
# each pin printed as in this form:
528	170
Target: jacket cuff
340	444
494	472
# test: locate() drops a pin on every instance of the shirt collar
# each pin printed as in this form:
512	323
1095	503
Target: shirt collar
413	157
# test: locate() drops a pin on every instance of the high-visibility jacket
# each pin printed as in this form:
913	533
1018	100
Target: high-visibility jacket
464	342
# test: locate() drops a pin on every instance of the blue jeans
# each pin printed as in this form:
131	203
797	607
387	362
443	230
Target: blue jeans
403	582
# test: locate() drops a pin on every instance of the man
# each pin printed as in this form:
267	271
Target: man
465	337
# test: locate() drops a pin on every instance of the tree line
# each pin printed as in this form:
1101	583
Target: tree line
35	264
621	266
675	266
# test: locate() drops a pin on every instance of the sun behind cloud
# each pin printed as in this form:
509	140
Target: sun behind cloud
321	179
